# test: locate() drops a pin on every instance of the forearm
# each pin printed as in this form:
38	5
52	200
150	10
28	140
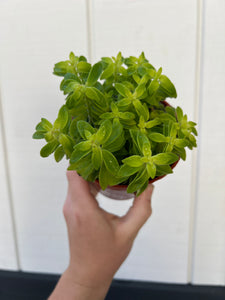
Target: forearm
68	288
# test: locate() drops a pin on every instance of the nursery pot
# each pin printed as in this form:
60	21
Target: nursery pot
119	192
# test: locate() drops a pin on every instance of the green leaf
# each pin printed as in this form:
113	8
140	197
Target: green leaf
164	158
80	150
153	123
59	153
73	131
163	170
140	109
167	86
96	157
151	170
62	67
49	148
122	90
133	161
62	118
116	139
181	152
72	57
139	91
110	161
45	124
67	144
104	132
39	135
179	112
93	93
153	87
181	143
142	188
144	144
107	115
94	74
124	103
83	67
82	126
126	170
108	71
126	115
104	177
138	181
157	137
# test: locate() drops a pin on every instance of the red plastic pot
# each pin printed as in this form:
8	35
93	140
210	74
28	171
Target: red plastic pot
119	192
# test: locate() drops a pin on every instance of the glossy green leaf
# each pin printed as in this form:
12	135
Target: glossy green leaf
104	132
83	67
153	123
124	103
110	161
167	86
59	153
153	87
96	157
133	161
126	115
49	148
104	177
140	109
144	144
180	143
62	67
179	113
116	139
122	90
164	158
142	188
108	71
39	135
107	115
67	144
80	150
45	124
163	170
151	170
157	137
62	118
126	170
139	91
94	74
83	125
93	93
138	181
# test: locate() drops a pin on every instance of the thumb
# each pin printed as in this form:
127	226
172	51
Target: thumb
139	213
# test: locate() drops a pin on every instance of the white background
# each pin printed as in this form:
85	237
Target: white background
184	240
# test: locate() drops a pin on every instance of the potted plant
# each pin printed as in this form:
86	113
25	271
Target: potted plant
115	128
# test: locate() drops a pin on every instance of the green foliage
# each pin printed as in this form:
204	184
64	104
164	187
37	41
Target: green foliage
115	125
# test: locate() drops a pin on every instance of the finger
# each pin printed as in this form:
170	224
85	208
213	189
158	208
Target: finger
79	189
139	213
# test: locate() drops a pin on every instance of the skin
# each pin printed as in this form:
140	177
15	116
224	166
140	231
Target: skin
99	241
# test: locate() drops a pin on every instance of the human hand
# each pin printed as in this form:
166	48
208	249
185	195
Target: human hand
99	241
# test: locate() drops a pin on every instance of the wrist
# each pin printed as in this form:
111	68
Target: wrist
86	287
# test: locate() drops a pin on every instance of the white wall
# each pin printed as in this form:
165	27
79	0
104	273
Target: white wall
184	241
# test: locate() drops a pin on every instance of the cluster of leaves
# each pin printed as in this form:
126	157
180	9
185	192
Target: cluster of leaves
115	125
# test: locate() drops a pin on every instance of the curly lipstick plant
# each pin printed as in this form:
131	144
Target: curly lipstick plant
115	126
